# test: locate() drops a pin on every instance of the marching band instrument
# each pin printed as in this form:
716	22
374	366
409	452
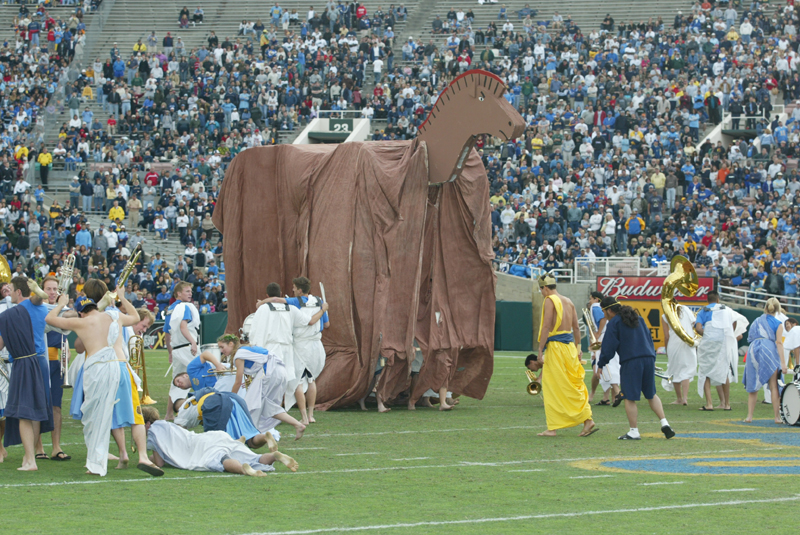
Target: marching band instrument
65	274
136	360
534	387
5	270
660	373
683	278
790	404
128	269
594	343
63	357
244	331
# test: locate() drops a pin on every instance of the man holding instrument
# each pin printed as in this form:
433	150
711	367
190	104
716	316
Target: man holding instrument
637	357
29	411
566	399
181	327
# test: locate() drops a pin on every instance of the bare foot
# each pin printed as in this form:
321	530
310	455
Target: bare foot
547	433
3	455
444	406
28	467
241	439
271	443
426	402
290	463
311	420
249	471
112	457
361	404
412	406
452	401
677	402
778	421
123	464
589	428
748	420
382	407
90	473
300	429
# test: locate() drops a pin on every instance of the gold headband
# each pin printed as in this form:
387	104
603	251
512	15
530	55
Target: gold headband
228	338
616	302
546	280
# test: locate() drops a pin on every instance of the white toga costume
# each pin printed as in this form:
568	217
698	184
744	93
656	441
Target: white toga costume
101	376
266	392
181	346
717	357
309	353
611	376
202	452
681	357
272	329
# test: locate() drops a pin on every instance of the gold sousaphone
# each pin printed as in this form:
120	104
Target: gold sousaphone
682	278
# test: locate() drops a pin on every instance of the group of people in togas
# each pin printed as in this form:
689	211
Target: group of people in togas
624	366
280	366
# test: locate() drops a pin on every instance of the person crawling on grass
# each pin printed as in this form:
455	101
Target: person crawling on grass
213	451
222	411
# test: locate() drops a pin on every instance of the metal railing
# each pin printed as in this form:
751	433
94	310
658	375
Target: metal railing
727	118
588	269
755	298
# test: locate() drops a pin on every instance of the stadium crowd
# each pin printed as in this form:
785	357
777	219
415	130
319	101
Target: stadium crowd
609	165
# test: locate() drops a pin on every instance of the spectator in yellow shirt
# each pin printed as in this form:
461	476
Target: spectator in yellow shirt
45	160
116	212
140	46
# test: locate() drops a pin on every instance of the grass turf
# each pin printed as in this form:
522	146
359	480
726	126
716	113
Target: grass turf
481	466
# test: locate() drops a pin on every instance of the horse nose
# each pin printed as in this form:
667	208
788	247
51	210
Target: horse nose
518	125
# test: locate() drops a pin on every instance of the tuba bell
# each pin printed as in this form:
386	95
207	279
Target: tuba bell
136	361
683	278
594	343
534	387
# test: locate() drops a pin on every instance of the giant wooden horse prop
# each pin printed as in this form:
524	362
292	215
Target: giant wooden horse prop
398	231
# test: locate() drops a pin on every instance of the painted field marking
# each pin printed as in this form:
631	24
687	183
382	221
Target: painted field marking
411	459
351	470
350	454
532	470
733	490
591	477
528	517
661	483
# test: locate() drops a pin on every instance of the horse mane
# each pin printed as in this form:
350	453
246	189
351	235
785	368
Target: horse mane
491	83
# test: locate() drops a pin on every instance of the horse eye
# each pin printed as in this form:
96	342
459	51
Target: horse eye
480	98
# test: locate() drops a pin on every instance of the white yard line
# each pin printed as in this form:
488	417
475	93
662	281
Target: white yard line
661	483
411	459
591	477
733	490
532	470
350	454
528	517
464	464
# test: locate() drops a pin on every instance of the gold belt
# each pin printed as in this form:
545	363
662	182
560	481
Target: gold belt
25	357
200	405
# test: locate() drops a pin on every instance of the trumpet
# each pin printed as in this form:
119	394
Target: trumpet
660	373
128	269
136	360
65	274
594	343
534	387
64	360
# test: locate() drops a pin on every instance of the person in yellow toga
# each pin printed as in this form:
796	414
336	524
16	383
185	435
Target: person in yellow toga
566	398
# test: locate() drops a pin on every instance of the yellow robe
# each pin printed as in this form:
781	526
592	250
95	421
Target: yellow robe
566	399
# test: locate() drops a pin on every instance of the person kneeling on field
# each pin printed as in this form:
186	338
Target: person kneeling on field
214	451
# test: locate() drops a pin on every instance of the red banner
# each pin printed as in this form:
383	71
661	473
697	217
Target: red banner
648	288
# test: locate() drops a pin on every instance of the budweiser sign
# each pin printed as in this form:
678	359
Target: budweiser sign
648	288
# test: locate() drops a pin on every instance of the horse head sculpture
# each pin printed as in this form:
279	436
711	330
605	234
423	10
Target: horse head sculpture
471	105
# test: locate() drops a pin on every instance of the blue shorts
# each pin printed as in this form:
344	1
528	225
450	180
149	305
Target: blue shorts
638	377
56	382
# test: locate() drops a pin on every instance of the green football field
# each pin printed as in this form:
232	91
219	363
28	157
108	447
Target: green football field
478	469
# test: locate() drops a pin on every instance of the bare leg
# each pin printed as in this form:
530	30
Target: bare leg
685	388
169	415
39	446
721	396
119	438
443	406
595	383
269	458
726	392
381	406
614	391
235	467
752	397
776	400
311	400
632	412
301	403
655	405
707	392
3	452
414	378
678	394
369	391
287	418
426	402
56	434
140	439
28	431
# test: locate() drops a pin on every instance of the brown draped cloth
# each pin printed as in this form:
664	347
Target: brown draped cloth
350	216
455	322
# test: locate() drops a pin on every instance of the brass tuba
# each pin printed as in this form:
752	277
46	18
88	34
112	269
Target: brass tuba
136	360
594	343
683	278
534	387
5	270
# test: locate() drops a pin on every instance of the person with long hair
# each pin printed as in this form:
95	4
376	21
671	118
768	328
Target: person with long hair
628	336
765	358
717	356
566	399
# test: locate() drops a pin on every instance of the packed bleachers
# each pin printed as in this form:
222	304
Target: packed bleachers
615	160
